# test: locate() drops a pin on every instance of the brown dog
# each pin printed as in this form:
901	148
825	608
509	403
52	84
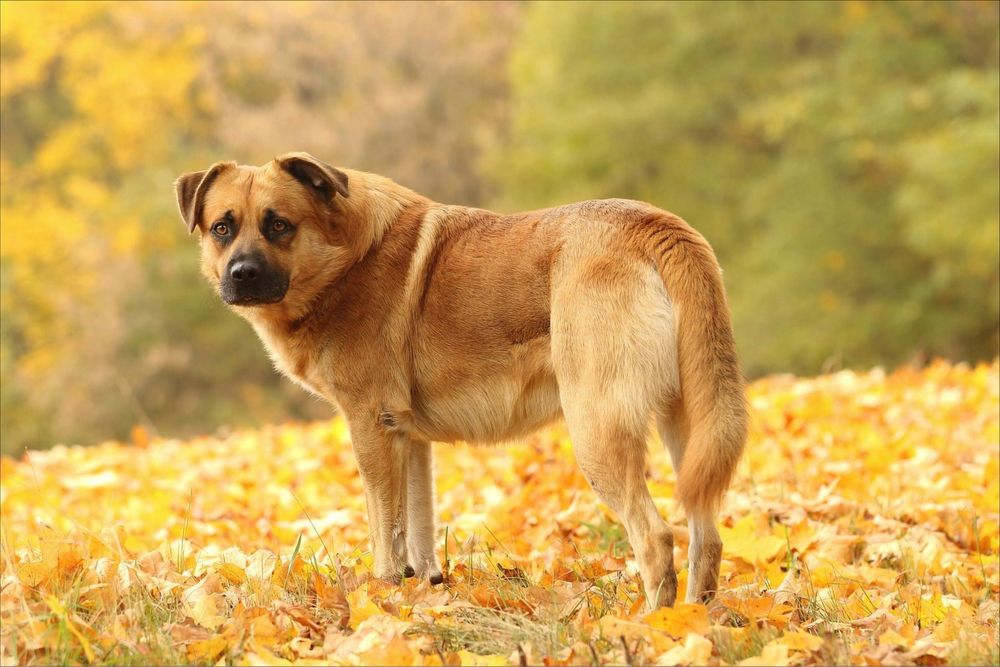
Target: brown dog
425	322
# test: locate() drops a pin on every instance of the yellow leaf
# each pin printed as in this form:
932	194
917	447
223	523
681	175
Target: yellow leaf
206	650
612	628
773	655
259	655
743	541
680	620
892	638
200	602
205	612
232	573
264	630
800	641
880	576
696	650
935	608
362	607
33	573
397	651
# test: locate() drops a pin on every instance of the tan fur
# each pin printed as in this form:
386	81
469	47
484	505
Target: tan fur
426	322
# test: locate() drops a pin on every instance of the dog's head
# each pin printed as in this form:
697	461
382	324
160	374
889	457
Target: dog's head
272	236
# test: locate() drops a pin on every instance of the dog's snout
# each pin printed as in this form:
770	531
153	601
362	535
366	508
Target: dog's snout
249	280
245	269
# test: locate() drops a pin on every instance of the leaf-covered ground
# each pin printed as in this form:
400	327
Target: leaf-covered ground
862	529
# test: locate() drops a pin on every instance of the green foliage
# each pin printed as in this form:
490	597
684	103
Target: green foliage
842	159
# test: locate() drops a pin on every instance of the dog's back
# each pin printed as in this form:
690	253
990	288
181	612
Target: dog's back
497	301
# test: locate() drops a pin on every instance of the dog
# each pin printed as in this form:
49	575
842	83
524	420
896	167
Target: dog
427	322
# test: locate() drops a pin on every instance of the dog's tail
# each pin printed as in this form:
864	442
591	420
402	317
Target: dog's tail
712	385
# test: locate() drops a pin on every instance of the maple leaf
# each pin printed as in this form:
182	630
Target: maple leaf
202	603
743	541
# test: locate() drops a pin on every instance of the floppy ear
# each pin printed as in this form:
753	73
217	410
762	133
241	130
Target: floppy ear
321	178
191	189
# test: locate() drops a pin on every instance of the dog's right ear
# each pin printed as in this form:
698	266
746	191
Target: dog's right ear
191	189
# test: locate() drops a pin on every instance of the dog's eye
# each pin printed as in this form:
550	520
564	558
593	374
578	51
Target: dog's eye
220	229
279	225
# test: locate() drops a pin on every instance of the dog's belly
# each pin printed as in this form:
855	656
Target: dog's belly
491	401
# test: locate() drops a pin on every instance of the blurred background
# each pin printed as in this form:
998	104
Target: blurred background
842	158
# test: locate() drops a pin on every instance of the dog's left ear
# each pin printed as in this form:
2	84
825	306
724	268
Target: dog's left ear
318	176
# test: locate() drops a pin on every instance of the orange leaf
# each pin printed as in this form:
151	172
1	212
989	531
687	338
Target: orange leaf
681	620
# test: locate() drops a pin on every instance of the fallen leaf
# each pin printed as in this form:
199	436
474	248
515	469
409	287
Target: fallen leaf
696	650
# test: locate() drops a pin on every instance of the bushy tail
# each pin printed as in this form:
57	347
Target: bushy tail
712	385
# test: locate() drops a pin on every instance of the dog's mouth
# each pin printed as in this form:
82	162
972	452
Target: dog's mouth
250	300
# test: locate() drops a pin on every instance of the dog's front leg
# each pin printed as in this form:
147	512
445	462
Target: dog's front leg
420	511
381	459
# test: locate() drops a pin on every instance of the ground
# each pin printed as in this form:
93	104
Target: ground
862	528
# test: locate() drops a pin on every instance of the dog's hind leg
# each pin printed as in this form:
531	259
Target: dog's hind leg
704	558
420	511
705	546
611	339
612	458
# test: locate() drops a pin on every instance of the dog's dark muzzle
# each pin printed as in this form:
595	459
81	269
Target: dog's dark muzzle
249	281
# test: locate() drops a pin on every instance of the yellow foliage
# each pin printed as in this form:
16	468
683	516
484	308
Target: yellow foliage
873	481
114	88
38	31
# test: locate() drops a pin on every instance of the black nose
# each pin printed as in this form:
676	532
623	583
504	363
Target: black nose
250	281
245	270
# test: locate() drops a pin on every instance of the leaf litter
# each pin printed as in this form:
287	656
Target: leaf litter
862	528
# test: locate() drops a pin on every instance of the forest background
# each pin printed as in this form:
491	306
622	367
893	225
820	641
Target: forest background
842	159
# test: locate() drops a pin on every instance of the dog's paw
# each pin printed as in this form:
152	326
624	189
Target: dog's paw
393	572
667	593
429	568
657	567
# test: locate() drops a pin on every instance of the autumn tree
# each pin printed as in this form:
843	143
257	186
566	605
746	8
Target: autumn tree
106	322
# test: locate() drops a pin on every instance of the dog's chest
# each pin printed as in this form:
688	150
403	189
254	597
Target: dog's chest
293	358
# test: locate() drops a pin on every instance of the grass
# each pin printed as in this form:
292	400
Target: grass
733	647
498	632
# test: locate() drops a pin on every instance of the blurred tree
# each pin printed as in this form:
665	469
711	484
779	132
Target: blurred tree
89	100
106	322
415	91
842	159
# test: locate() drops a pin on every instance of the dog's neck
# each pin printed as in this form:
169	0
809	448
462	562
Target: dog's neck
373	208
373	205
